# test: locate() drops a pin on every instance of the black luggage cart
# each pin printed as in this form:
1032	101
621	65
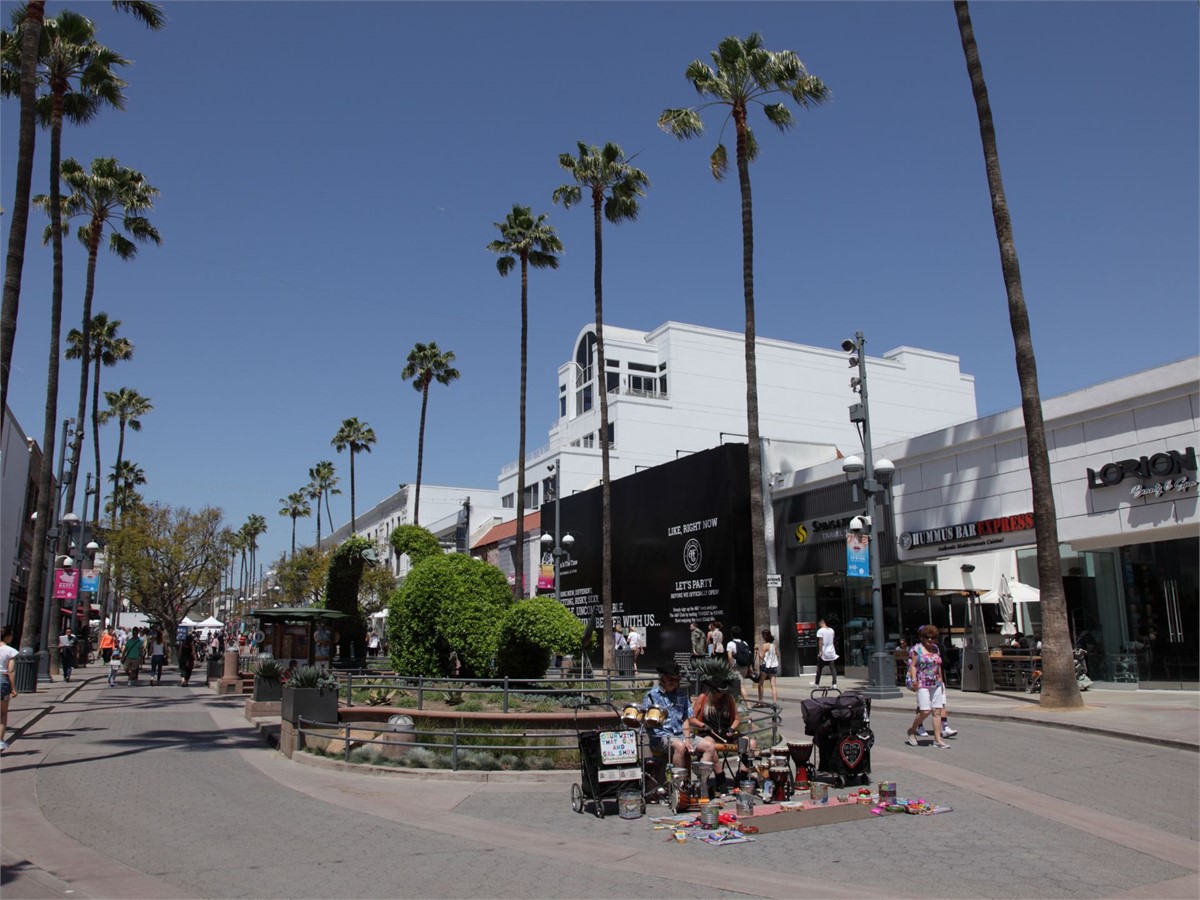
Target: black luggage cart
840	726
610	761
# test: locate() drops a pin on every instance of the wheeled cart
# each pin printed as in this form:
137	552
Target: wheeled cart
840	726
610	763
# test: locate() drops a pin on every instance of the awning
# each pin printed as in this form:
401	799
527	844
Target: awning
296	614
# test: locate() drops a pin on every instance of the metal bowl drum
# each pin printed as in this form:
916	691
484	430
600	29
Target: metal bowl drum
655	717
631	717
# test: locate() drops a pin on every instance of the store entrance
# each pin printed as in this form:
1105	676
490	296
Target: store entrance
1162	592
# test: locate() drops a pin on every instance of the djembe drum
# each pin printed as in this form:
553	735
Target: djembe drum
801	753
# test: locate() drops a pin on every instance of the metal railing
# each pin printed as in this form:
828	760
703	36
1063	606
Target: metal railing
457	740
600	685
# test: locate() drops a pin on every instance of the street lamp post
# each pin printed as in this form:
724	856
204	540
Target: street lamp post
557	539
45	645
881	671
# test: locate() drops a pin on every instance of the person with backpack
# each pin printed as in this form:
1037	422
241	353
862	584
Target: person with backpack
741	658
132	654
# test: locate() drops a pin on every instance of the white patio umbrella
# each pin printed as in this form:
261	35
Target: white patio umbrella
1008	595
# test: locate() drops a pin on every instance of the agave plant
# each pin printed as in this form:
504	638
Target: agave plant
380	697
268	670
713	670
312	677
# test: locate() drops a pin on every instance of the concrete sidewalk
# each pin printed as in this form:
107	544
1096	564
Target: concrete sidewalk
1166	718
25	710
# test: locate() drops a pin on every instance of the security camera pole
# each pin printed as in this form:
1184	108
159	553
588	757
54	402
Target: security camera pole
881	671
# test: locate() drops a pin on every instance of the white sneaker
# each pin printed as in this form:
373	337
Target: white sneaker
921	732
3	745
947	731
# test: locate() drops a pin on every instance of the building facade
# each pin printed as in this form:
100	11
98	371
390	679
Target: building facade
681	388
20	463
960	516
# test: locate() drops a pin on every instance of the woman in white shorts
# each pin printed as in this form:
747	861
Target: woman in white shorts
926	678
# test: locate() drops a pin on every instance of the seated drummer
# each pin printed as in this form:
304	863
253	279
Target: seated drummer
716	720
674	734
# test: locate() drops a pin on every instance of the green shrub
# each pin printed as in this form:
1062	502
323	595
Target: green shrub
472	705
419	543
531	631
341	594
447	602
268	670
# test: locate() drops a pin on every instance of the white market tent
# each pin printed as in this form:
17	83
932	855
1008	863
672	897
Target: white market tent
211	622
189	622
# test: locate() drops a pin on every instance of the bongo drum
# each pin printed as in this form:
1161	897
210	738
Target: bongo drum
631	717
655	717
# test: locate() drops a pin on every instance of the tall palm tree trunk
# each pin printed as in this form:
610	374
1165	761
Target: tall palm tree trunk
328	511
519	546
85	365
1059	687
758	549
293	537
56	290
421	451
353	520
320	494
96	439
117	467
34	13
605	487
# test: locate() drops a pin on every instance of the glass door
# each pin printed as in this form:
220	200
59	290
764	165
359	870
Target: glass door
1163	612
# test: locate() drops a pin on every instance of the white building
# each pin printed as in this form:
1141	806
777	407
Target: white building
682	388
20	463
442	512
1123	464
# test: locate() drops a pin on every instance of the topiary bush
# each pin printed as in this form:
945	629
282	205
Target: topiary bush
419	543
531	631
341	594
447	602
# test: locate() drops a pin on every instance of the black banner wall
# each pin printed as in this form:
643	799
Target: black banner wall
681	550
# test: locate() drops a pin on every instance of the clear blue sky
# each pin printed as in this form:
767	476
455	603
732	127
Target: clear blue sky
331	173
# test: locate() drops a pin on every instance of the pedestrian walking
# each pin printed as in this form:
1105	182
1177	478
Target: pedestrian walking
186	657
926	679
698	643
158	657
66	653
768	667
8	680
718	638
826	653
114	669
108	644
135	648
637	646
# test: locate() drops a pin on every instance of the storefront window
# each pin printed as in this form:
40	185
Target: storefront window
1094	601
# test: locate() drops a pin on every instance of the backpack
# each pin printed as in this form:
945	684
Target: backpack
742	655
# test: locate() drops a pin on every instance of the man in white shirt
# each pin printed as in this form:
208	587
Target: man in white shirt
636	646
826	653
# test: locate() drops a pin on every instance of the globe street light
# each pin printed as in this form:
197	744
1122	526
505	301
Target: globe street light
881	671
558	540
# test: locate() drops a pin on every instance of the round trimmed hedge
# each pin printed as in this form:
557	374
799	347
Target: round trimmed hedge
531	631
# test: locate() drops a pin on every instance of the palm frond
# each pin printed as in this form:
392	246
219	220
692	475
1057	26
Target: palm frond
778	115
719	162
683	123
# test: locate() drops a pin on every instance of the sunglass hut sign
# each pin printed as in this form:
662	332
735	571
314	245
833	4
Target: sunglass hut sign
1169	467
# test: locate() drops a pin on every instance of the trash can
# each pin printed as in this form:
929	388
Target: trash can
624	661
25	672
215	667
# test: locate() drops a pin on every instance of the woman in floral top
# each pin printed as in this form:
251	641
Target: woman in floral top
925	677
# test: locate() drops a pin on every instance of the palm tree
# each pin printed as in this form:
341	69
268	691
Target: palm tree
127	406
356	437
108	349
125	478
107	195
426	364
255	527
1060	688
295	505
601	171
531	242
322	482
21	80
67	55
745	74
